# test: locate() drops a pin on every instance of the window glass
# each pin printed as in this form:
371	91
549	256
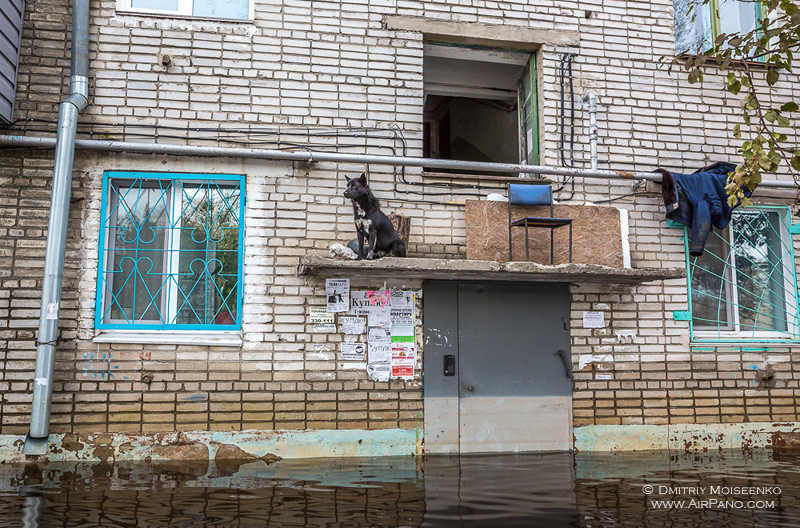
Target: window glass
736	16
221	8
711	284
760	271
163	5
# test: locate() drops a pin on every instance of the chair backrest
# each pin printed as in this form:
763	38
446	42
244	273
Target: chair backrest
528	194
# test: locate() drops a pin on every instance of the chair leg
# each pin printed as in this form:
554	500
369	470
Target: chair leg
551	246
570	242
527	243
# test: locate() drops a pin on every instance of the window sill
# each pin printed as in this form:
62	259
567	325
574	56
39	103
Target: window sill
485	177
177	16
150	337
738	341
751	63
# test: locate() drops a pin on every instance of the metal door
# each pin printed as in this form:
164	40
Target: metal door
512	391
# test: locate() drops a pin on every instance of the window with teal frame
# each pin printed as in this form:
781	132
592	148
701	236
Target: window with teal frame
698	24
744	286
171	252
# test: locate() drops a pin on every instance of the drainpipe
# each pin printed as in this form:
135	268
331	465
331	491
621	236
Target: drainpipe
592	101
36	442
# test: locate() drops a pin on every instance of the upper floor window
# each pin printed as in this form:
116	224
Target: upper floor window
171	251
697	25
230	9
744	286
480	104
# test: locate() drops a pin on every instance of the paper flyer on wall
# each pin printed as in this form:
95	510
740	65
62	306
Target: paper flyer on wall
379	335
404	359
402	316
338	294
324	328
403	351
380	353
402	299
353	351
379	316
379	372
402	334
353	325
403	369
362	301
320	315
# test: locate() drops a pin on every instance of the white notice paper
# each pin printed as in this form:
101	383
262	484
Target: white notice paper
379	316
320	315
338	293
380	353
354	351
352	325
324	328
363	301
594	320
379	372
379	335
402	316
402	299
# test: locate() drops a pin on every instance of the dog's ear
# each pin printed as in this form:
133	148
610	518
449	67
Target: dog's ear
346	178
363	178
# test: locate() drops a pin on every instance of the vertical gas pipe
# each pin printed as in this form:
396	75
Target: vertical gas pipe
36	443
592	100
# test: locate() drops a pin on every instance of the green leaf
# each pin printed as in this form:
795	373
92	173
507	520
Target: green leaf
772	77
783	121
737	132
735	88
795	162
771	115
791	106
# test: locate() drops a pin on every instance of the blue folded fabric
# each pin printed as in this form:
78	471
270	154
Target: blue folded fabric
699	200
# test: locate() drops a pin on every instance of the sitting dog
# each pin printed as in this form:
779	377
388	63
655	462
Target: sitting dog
371	223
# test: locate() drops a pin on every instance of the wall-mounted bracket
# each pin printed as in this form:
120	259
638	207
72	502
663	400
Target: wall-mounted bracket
681	315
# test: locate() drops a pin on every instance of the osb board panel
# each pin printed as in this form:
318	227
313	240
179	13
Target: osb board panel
596	238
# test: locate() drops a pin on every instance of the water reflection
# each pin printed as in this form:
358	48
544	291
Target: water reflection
479	491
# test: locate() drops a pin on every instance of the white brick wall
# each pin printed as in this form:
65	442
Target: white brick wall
319	64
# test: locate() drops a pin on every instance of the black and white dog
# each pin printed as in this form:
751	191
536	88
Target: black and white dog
371	223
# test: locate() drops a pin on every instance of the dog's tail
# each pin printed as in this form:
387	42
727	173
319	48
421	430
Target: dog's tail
398	248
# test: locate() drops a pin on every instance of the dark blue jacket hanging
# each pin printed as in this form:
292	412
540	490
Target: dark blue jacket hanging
699	200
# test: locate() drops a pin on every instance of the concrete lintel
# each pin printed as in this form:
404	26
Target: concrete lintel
479	34
423	268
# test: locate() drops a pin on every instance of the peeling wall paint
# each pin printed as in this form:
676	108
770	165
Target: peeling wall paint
268	446
690	438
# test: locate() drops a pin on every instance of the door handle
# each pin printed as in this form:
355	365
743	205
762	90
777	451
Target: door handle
567	370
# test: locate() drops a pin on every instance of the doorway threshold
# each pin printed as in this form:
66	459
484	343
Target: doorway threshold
460	269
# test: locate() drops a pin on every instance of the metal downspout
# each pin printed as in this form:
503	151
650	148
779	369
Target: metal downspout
36	442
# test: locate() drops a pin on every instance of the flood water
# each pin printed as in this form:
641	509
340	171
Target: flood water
549	490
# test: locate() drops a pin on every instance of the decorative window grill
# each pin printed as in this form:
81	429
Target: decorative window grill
744	286
171	251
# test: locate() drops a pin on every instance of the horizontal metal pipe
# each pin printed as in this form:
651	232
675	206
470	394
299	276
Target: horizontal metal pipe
337	157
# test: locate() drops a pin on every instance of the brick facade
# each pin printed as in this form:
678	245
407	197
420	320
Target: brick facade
312	65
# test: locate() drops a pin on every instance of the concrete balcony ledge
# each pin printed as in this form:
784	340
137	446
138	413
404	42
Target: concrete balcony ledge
430	268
